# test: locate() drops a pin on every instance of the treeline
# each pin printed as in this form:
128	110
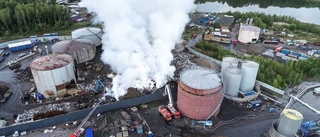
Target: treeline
23	17
263	20
267	3
277	74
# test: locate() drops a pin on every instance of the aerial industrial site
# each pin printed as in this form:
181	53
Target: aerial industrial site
133	75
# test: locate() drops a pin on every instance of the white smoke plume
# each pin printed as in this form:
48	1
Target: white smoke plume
139	36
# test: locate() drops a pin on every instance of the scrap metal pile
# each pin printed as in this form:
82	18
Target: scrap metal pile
23	74
182	61
48	110
4	91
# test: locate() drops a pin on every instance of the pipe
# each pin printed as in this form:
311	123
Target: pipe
305	104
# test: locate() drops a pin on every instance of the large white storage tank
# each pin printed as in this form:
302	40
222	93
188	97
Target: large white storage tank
289	122
249	74
94	34
82	50
232	81
228	62
52	74
248	34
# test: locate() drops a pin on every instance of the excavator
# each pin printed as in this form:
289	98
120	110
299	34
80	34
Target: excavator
169	110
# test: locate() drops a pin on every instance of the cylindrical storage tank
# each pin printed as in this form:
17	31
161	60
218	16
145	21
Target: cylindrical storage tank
94	34
52	74
232	80
248	34
289	122
249	74
199	93
228	62
82	50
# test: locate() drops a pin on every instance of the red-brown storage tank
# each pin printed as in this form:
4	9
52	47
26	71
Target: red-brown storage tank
199	93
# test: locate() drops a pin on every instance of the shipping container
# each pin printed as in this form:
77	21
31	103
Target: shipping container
293	56
316	55
302	58
20	45
285	51
89	132
296	53
279	54
255	103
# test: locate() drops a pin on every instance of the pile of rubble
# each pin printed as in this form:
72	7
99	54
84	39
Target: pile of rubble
50	108
131	93
24	74
48	114
182	61
4	91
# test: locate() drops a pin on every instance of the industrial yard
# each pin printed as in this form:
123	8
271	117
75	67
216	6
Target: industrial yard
57	86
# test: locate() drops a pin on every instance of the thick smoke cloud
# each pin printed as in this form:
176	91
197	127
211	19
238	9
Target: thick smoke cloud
139	36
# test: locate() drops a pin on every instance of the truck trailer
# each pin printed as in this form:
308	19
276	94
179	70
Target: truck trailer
20	45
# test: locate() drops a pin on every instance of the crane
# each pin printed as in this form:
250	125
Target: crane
170	106
79	129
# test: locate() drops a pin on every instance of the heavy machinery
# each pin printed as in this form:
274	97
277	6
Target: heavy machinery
15	63
99	84
165	113
310	128
170	106
204	123
80	130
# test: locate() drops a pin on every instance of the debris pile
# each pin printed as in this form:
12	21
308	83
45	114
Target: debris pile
182	61
3	88
45	111
205	63
94	66
24	74
132	92
48	114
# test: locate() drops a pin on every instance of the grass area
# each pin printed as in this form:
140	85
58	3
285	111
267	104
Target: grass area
61	32
188	32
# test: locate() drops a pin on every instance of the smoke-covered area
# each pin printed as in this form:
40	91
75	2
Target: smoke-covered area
138	38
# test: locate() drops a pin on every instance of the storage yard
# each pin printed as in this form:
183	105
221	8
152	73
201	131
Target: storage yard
67	81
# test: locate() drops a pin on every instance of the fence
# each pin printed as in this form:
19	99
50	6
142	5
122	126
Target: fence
72	116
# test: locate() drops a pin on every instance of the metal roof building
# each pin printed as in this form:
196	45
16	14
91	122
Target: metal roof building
81	50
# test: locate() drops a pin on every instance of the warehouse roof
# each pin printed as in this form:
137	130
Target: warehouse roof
225	21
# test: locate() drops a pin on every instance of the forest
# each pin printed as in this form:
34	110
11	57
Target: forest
267	3
27	17
272	72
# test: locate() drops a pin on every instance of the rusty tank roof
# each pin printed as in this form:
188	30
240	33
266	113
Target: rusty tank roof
70	46
51	62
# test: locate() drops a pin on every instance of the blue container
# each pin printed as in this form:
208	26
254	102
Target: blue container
249	93
285	51
89	132
150	134
139	129
296	53
39	96
256	103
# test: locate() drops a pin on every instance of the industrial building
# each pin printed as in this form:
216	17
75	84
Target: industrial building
53	73
223	37
82	50
91	33
225	22
248	34
200	93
